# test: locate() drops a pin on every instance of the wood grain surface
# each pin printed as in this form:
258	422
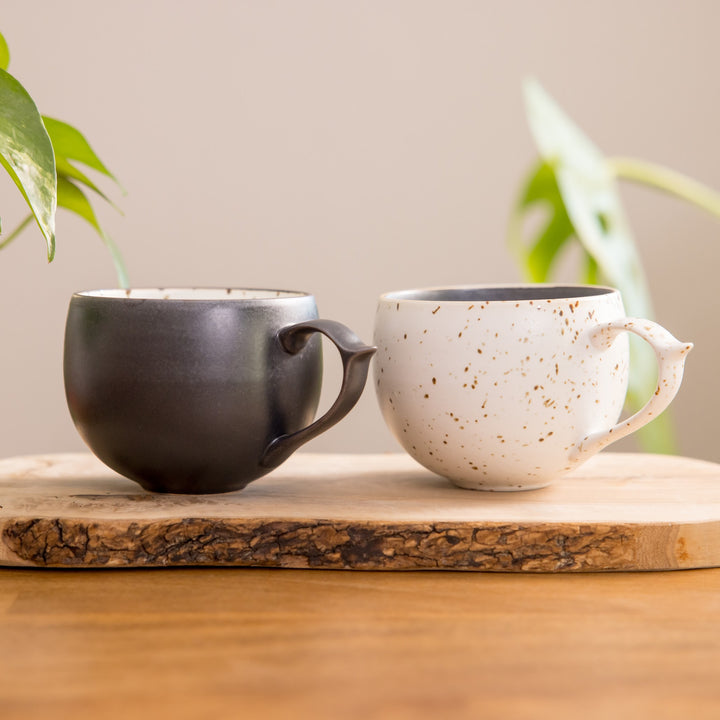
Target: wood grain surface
618	512
224	644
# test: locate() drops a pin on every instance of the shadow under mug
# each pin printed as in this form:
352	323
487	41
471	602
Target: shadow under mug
202	390
508	387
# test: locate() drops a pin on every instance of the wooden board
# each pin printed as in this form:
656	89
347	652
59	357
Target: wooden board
366	512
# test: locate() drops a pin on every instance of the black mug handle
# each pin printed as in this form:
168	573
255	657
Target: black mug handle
355	357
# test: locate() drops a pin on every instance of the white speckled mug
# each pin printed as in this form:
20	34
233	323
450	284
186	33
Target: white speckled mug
507	387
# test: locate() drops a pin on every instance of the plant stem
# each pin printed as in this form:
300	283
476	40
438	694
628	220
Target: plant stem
667	180
16	231
120	269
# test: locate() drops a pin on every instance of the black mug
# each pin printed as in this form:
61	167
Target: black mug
202	390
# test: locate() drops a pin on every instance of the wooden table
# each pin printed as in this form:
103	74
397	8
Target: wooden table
254	643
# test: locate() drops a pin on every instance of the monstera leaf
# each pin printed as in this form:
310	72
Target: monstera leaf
590	195
577	187
557	234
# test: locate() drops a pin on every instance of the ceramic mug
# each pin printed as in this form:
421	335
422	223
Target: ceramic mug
507	387
201	390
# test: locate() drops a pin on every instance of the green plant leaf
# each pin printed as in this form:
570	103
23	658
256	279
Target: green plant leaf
72	198
70	144
588	191
67	170
658	436
591	197
40	154
538	256
591	273
27	154
71	147
4	53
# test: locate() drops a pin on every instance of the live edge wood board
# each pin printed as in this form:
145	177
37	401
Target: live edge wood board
365	512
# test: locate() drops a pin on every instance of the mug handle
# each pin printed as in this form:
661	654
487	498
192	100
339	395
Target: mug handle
670	354
355	356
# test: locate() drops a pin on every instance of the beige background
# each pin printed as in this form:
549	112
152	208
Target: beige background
349	148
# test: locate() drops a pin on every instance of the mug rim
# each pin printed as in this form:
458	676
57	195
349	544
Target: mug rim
514	293
192	294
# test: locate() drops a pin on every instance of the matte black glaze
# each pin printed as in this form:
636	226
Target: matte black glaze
189	395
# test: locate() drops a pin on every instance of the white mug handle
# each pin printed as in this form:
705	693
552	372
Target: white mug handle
670	354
